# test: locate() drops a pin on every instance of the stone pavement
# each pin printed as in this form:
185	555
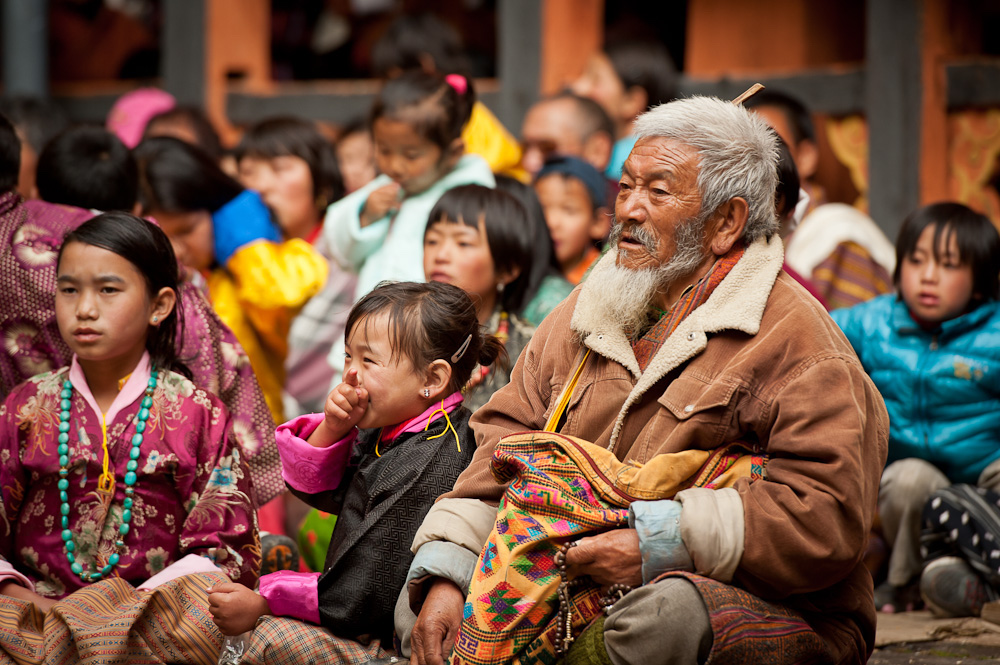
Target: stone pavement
918	638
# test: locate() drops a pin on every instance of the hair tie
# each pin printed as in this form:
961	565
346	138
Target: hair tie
458	82
461	350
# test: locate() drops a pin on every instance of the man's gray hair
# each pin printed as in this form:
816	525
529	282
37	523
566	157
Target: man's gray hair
739	154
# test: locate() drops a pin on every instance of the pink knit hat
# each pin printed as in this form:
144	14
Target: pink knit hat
129	115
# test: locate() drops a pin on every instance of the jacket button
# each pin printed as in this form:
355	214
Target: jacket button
689	408
690	337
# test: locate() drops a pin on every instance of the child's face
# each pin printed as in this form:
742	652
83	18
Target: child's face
573	223
356	158
411	160
103	307
460	255
935	290
286	185
394	386
190	234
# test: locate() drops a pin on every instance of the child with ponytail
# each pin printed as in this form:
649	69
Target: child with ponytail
393	437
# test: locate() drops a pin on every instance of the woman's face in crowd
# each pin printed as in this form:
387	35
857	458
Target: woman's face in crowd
455	253
191	235
286	185
935	289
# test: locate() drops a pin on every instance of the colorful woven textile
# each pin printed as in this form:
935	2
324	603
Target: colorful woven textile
748	629
647	346
562	488
112	622
286	641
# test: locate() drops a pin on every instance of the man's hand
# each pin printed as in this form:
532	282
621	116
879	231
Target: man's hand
437	624
235	608
608	558
380	203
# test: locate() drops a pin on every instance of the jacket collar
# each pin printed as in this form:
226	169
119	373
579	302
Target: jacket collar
736	304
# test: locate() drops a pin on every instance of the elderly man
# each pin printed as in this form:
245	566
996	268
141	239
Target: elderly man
697	339
566	124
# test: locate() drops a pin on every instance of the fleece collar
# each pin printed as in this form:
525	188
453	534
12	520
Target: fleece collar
736	304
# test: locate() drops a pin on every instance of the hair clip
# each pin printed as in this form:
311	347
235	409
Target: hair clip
461	350
458	82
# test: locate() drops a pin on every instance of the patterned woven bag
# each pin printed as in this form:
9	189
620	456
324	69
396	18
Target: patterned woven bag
561	489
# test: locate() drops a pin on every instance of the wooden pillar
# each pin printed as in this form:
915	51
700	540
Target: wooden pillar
936	47
894	104
205	42
572	30
541	47
25	48
183	57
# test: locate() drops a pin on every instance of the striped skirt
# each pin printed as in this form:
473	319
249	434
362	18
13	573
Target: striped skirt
112	622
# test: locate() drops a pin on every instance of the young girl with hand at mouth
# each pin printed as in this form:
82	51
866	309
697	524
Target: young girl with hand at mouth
377	231
393	437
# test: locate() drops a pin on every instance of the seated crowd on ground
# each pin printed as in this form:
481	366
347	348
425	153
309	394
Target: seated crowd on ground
628	389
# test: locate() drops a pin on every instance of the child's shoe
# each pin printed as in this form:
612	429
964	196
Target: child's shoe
951	588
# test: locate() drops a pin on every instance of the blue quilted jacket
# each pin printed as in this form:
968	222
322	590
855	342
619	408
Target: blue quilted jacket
942	389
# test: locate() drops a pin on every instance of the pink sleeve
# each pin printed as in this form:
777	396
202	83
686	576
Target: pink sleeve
292	594
8	572
305	467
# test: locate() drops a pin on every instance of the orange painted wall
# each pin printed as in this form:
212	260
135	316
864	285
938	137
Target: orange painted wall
571	31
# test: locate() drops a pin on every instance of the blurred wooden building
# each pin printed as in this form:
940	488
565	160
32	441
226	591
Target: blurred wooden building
905	93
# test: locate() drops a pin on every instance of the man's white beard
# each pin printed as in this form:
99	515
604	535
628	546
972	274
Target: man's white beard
623	297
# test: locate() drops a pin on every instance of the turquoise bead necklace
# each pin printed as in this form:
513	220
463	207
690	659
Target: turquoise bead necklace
95	575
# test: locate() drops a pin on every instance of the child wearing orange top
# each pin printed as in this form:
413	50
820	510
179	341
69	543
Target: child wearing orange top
574	196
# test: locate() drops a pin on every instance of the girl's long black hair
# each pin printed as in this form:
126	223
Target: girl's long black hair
146	246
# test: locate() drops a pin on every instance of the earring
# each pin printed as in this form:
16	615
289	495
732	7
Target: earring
155	319
427	392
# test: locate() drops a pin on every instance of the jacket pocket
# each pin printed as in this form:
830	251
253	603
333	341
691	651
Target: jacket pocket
687	397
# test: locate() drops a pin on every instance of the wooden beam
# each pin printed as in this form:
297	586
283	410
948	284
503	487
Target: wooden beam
829	91
894	103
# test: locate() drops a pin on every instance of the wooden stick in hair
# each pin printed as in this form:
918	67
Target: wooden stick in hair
750	92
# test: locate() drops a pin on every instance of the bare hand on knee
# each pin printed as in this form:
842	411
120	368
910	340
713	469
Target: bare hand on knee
608	558
235	608
437	624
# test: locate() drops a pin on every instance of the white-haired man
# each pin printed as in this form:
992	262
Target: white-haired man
697	339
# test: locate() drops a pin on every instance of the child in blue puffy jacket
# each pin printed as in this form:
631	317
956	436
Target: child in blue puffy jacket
933	350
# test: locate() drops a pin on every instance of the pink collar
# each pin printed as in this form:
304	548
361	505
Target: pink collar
129	393
418	424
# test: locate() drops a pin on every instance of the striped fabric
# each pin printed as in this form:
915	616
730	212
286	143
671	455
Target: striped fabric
850	275
747	629
285	641
112	622
647	346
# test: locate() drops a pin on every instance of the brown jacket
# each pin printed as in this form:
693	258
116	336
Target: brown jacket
760	361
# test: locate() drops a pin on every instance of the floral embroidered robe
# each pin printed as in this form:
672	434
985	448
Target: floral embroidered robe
30	235
192	496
